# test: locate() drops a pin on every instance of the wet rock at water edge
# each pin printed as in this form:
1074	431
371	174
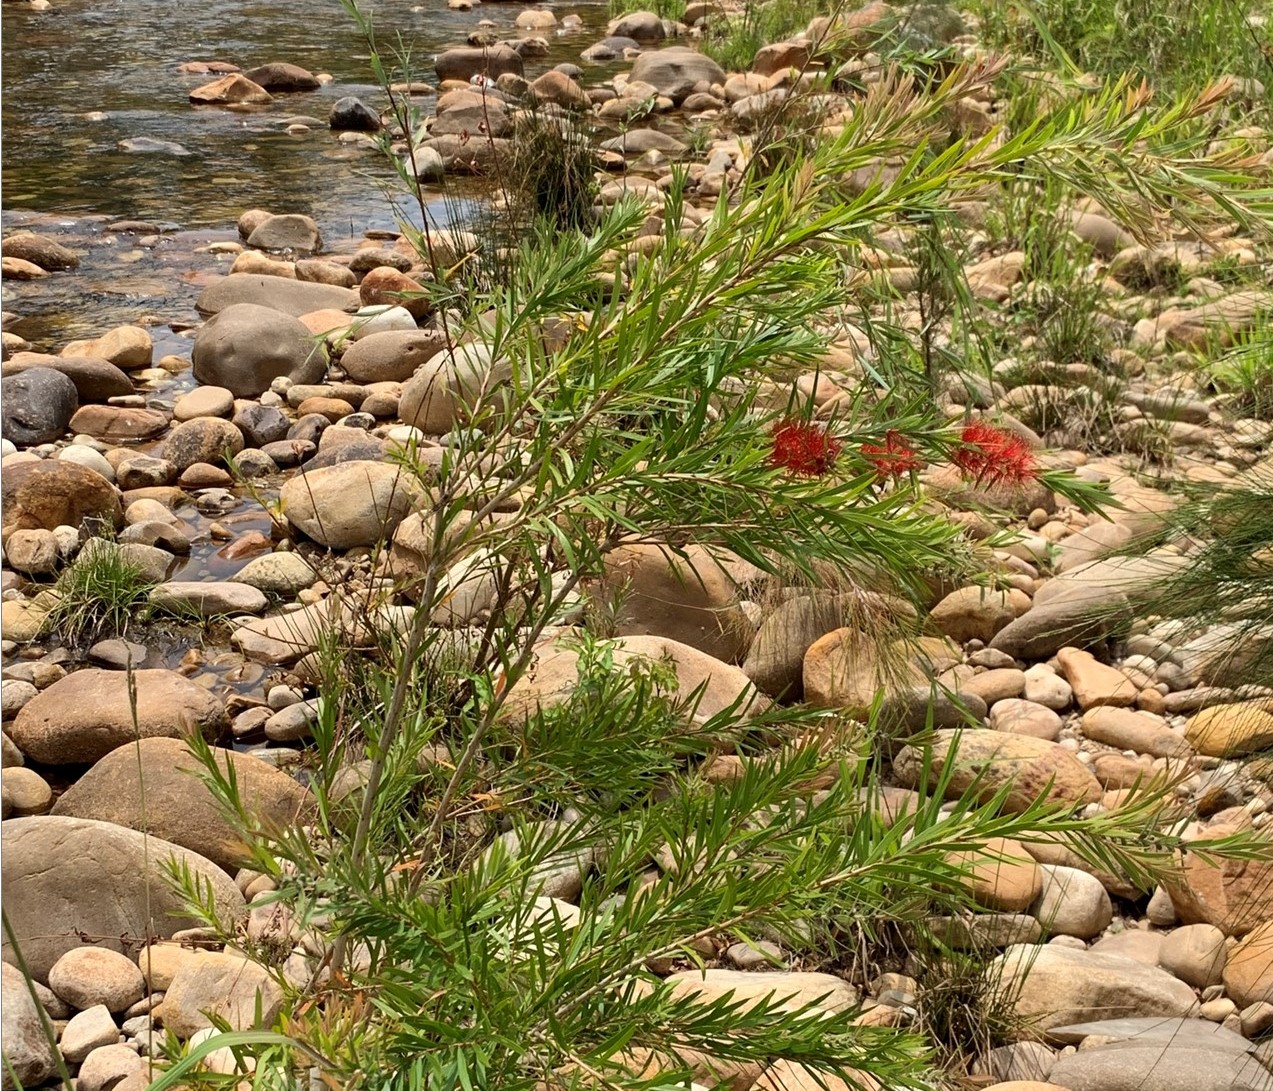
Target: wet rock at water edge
466	62
289	231
352	115
49	254
145	145
282	76
234	89
37	406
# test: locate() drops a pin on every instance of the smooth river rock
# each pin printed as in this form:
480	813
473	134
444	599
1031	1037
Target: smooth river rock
292	297
87	714
178	805
1052	986
244	347
67	878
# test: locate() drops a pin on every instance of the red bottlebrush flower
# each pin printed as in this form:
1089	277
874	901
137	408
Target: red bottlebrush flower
894	458
802	448
991	456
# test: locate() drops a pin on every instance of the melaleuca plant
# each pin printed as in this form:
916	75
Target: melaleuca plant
646	395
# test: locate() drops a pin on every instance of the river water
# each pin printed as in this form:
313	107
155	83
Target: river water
79	79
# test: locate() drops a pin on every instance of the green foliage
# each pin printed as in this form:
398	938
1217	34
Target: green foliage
553	171
1226	590
636	386
1243	373
1175	44
99	596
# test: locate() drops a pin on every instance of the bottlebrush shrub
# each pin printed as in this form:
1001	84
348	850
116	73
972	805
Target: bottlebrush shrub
438	964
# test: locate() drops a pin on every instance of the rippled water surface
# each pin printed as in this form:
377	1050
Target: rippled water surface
64	67
79	79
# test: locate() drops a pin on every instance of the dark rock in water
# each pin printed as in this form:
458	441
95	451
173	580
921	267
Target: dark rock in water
38	406
95	379
261	424
145	145
281	76
351	114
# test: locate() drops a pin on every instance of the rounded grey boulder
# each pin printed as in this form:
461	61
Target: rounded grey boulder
246	347
38	406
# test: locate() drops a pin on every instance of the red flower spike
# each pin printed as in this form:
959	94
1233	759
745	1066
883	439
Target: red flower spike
991	456
895	458
802	448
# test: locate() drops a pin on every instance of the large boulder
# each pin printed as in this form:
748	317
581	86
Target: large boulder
1075	615
294	297
392	356
350	504
992	760
49	494
688	598
223	985
245	347
554	675
158	786
677	71
37	406
26	1045
71	882
87	714
466	62
1052	986
1160	1064
95	379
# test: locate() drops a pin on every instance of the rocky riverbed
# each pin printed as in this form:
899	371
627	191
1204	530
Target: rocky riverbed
240	445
